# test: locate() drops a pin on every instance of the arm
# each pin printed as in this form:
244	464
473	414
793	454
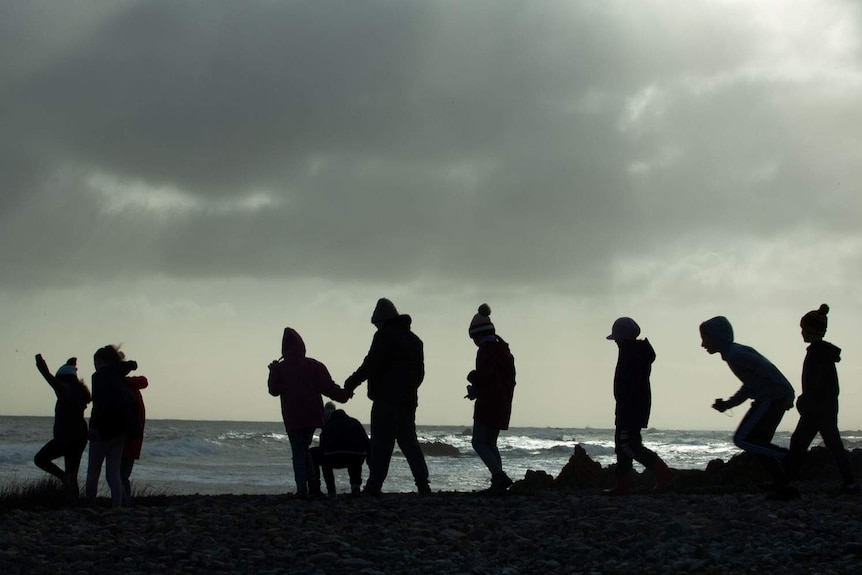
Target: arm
137	382
329	388
42	366
370	365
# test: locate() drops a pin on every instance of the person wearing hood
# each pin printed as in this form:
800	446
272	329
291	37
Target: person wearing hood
70	427
344	444
492	386
770	391
299	382
394	368
818	403
633	398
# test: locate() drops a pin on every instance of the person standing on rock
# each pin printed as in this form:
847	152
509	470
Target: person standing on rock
770	391
633	402
818	403
394	368
70	427
492	386
299	382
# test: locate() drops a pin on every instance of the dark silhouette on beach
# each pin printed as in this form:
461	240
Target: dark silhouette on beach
132	449
492	387
344	444
394	368
633	402
70	428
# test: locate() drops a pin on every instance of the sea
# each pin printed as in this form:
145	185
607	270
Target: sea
183	457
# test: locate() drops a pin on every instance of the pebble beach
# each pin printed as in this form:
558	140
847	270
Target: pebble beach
546	531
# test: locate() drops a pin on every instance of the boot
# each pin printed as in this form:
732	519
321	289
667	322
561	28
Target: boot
663	474
623	487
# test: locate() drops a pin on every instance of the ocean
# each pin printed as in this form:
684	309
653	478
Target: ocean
183	457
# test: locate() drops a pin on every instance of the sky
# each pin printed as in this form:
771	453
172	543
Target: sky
185	179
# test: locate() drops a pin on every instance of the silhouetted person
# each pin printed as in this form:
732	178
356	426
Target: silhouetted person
299	381
394	368
344	444
70	427
770	391
132	449
492	386
818	403
633	402
114	419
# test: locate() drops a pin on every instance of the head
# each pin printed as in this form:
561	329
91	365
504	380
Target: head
480	325
716	334
68	371
328	410
624	329
384	311
814	324
107	355
292	345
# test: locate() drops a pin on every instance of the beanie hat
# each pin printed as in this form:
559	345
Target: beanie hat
624	328
815	321
69	368
328	410
481	323
384	311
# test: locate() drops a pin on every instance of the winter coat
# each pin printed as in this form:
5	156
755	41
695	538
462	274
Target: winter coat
632	383
394	365
343	435
72	399
300	381
819	379
132	448
493	383
114	409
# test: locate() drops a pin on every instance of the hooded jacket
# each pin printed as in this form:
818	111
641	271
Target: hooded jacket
132	448
761	380
300	381
494	383
394	365
632	383
343	435
820	378
114	409
72	399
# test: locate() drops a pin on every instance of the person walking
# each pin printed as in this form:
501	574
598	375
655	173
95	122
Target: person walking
300	381
394	368
633	397
492	387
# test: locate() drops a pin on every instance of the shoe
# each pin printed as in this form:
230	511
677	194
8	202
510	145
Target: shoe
623	487
423	488
663	475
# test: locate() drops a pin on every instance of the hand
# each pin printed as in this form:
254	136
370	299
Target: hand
133	364
39	359
272	364
471	377
471	392
720	405
351	383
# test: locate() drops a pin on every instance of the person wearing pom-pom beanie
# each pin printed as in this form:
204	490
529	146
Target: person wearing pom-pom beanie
492	386
818	403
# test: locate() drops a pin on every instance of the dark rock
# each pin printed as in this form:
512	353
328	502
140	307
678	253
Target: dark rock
581	472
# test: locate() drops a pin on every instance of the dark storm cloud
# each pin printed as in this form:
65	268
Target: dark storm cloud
391	140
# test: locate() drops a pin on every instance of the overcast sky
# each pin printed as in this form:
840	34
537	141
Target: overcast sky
188	178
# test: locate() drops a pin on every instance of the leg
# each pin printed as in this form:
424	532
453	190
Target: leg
755	436
383	429
126	466
638	452
45	457
625	456
354	471
74	453
803	435
300	440
832	440
113	457
409	444
485	444
98	450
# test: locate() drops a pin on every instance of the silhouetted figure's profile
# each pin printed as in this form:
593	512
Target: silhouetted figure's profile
70	427
492	387
770	391
113	420
818	403
343	445
132	449
299	381
633	402
394	368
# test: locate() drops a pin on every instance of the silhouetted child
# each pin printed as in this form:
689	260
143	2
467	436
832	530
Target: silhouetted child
770	391
818	403
633	401
114	418
300	381
344	444
132	449
70	427
492	386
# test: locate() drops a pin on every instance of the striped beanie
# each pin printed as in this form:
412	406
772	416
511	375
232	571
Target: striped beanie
481	324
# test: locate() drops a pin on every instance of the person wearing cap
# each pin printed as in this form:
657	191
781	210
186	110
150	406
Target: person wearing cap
771	396
300	381
343	445
818	403
70	427
492	387
394	368
633	398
